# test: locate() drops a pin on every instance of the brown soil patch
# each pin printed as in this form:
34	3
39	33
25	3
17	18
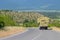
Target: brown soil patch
56	29
10	31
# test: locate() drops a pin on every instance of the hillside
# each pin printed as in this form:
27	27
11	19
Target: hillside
20	17
53	15
28	19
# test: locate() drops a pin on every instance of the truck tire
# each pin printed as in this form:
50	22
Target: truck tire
43	28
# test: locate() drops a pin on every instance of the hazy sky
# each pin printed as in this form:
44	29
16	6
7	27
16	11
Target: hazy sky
30	4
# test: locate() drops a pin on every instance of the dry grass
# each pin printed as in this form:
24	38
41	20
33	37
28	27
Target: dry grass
10	31
56	29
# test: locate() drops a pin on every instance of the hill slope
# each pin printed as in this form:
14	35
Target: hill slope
53	15
21	17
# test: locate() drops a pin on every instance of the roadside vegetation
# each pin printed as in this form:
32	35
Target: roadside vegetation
31	23
23	19
55	23
16	18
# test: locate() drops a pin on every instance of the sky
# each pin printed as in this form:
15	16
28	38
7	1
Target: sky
30	4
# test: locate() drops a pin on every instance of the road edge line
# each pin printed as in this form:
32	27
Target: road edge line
14	34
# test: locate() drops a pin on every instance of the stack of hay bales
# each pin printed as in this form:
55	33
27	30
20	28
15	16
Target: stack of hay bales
44	21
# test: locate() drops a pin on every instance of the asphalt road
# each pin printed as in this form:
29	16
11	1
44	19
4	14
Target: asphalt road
36	34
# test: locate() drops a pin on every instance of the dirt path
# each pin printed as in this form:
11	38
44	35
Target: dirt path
10	31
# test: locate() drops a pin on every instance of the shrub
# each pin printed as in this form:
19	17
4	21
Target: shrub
2	25
31	23
55	23
7	20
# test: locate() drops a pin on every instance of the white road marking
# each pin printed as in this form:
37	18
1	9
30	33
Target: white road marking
36	37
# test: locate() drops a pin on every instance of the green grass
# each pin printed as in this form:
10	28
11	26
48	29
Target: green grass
55	23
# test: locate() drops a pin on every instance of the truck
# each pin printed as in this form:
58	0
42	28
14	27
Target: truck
44	21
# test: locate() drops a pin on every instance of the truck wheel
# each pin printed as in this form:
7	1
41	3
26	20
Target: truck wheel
43	28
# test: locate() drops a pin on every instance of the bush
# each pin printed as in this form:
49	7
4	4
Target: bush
7	20
31	23
2	25
55	23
